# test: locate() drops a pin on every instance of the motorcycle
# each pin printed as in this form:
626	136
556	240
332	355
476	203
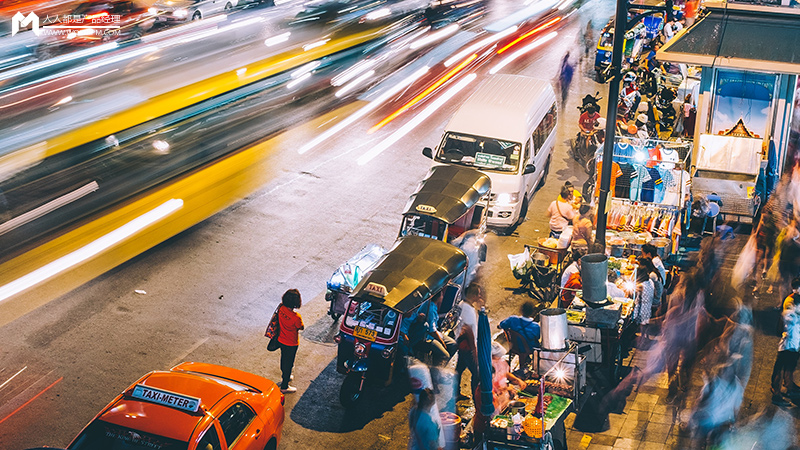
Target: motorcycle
666	112
347	276
589	135
373	339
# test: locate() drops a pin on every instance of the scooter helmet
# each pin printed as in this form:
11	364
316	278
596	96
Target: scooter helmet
629	77
641	118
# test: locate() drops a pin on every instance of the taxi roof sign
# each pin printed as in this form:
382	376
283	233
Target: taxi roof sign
166	398
426	209
376	289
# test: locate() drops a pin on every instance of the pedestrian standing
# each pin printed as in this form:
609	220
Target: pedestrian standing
643	299
424	427
565	77
290	325
783	372
589	43
468	337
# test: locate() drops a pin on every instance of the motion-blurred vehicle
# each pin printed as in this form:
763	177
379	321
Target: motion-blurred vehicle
169	12
441	13
115	20
193	406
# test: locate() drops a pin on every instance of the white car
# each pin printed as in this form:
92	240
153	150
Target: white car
179	11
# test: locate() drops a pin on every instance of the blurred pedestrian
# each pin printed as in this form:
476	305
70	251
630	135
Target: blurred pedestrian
468	337
565	77
788	350
643	299
646	264
589	43
424	424
788	258
290	325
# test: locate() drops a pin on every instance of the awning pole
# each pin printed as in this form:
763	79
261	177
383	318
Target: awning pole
611	119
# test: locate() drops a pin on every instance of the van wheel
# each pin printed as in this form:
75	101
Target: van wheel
523	213
544	175
197	16
228	7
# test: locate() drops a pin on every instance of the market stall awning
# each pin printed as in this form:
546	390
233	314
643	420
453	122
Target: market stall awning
764	41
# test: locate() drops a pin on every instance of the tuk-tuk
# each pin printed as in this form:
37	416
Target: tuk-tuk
632	46
387	301
448	202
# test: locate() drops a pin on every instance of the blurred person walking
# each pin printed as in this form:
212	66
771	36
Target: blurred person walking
565	78
783	384
290	325
468	338
424	424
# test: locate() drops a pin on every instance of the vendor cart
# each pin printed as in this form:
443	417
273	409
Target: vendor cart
539	268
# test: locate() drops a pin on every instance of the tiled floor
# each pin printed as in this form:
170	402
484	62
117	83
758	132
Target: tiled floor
647	422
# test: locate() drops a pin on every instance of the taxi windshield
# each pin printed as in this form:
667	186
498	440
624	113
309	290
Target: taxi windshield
373	316
105	436
479	152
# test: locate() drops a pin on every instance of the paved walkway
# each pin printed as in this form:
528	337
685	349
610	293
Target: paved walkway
648	422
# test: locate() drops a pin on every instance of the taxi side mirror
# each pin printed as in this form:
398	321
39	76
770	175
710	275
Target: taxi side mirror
530	168
427	152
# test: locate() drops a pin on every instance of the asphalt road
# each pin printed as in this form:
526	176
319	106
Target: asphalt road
211	290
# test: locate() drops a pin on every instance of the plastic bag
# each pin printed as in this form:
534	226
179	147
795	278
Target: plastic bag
521	263
565	238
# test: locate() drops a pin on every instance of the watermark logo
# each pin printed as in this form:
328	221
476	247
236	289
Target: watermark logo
21	21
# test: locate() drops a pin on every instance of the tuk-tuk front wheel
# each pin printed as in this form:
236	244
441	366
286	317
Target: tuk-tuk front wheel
352	388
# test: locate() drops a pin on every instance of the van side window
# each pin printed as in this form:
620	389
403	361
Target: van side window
546	126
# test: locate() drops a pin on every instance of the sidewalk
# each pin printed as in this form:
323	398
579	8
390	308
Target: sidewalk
648	422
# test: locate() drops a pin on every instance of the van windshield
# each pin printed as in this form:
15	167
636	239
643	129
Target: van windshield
479	152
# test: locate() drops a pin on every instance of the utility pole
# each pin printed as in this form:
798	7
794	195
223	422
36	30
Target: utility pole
621	26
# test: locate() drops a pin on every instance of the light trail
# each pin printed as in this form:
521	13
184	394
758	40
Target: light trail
90	250
529	33
327	134
418	119
522	51
423	94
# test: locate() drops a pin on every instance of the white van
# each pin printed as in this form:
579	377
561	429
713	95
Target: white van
506	129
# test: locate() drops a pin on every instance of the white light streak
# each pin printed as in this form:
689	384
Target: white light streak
308	47
304	69
90	250
418	119
327	134
378	14
435	36
63	101
58	60
478	45
350	73
298	80
354	84
275	40
522	51
48	207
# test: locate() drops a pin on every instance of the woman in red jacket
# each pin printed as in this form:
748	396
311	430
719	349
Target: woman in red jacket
290	325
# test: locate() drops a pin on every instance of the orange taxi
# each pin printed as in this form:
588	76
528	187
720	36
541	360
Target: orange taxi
193	406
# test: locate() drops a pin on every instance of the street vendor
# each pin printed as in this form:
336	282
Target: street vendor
501	391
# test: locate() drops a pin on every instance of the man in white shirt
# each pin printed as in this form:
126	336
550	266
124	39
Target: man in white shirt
468	337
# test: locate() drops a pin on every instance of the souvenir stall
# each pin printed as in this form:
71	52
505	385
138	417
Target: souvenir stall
649	195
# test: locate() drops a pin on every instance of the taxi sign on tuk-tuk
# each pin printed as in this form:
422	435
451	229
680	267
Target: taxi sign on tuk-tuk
376	289
426	209
411	272
166	398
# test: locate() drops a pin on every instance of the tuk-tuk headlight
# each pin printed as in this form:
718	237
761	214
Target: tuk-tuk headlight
387	352
360	350
337	338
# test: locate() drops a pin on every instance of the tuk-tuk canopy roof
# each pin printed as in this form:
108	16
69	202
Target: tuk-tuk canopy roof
411	272
448	192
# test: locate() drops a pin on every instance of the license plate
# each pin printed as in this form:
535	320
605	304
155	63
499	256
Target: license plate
365	333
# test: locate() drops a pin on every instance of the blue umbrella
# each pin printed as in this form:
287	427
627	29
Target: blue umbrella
485	364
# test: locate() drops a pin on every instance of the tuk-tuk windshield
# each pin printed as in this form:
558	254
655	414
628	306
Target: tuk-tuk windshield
425	226
479	152
373	316
606	40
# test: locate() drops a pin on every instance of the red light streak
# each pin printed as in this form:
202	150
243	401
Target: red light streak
29	401
96	16
529	33
424	94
